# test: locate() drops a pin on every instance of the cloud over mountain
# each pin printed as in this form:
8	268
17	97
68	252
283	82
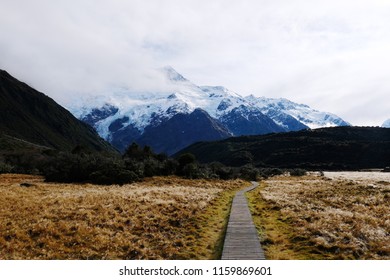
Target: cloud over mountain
332	55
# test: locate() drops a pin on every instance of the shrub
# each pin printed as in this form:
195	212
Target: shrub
135	152
218	170
152	167
69	168
248	172
184	160
94	168
5	168
136	163
190	171
113	176
269	172
169	167
298	172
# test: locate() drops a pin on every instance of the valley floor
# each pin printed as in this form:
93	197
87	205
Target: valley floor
341	215
160	218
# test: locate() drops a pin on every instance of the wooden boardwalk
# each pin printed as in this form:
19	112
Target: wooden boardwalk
241	240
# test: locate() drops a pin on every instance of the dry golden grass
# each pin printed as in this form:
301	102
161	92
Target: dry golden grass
160	218
315	217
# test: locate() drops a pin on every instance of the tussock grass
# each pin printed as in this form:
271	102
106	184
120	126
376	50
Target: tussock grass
315	217
160	218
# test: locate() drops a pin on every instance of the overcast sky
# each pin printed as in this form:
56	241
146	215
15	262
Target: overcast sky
333	55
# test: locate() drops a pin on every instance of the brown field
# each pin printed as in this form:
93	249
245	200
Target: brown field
336	216
160	218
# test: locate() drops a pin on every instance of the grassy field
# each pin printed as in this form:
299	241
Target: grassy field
160	218
336	216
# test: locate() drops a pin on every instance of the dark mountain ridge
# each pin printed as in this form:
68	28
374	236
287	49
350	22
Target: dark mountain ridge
336	148
34	117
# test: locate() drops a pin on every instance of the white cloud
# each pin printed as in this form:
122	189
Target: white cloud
330	54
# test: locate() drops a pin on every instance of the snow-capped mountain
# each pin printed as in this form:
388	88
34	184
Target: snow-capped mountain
281	109
386	124
172	116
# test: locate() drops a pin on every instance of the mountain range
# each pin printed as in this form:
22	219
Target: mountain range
185	113
34	126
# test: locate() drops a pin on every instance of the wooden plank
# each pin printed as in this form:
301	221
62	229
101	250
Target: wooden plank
241	240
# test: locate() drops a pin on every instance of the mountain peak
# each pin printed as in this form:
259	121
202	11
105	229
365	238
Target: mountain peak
140	116
172	75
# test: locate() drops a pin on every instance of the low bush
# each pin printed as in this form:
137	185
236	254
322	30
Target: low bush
5	168
109	176
269	172
298	172
136	163
248	172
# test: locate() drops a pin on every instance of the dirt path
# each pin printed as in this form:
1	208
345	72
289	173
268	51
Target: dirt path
241	240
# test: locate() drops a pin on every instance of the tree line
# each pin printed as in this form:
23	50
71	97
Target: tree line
82	165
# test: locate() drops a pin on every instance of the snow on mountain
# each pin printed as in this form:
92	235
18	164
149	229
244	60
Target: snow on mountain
172	75
120	115
141	108
386	123
281	108
221	100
